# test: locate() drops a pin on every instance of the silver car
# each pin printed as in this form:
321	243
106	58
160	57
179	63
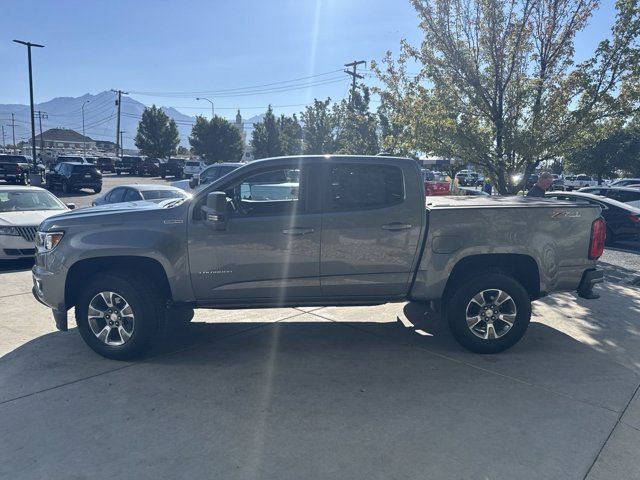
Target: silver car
138	193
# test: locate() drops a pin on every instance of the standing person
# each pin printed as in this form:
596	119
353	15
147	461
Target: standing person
542	185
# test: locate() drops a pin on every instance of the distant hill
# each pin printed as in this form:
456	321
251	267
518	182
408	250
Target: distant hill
100	117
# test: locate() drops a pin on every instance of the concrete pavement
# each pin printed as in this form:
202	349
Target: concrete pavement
372	392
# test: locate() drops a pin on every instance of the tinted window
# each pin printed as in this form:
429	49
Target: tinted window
131	195
13	159
116	195
625	196
362	186
275	192
84	168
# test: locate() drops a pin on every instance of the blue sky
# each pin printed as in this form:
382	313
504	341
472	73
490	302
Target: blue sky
197	46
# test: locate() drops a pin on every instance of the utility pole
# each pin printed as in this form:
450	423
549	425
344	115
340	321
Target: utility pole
84	143
3	144
118	133
121	143
33	126
354	75
13	129
40	115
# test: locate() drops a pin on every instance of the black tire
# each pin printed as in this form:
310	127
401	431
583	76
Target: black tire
461	300
118	172
97	190
65	187
146	304
163	175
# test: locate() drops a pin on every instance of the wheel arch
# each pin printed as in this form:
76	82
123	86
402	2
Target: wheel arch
521	267
143	266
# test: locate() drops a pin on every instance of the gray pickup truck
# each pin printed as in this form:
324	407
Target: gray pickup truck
317	230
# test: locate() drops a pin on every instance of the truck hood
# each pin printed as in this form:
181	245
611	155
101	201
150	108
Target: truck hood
109	210
26	218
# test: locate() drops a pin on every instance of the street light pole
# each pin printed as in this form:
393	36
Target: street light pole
121	143
33	124
202	98
84	142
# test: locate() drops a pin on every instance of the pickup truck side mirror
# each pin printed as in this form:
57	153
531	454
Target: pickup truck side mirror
194	181
215	211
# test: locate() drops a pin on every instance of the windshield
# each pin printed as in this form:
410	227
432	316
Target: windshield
163	194
21	201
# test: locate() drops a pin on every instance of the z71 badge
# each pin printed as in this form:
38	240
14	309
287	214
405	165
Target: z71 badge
566	214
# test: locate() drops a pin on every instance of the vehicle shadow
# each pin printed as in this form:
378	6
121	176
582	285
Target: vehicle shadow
12	266
315	399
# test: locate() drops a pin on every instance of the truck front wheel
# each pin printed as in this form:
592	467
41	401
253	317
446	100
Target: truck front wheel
489	313
118	315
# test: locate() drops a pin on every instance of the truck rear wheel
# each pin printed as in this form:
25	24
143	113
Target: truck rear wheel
118	315
489	313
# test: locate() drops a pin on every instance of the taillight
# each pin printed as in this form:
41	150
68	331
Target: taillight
598	236
18	169
634	218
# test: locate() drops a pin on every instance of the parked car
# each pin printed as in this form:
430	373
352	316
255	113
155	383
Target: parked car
467	178
128	164
16	169
149	166
106	164
625	182
354	231
208	175
193	167
22	209
71	176
574	182
435	184
468	191
623	220
173	167
557	184
621	194
137	193
91	160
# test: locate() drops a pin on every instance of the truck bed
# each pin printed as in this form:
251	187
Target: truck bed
495	202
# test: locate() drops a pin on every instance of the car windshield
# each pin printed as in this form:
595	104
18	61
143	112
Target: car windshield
162	194
28	200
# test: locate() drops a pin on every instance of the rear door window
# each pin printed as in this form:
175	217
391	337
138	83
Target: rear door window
131	195
360	186
116	195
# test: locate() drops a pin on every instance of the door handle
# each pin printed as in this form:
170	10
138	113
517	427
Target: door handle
297	231
396	226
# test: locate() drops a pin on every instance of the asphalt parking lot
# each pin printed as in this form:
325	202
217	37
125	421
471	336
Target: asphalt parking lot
360	392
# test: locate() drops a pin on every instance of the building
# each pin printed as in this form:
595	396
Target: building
64	138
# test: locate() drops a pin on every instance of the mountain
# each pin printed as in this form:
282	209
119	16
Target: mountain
99	115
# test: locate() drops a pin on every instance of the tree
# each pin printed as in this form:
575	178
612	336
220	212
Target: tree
356	126
498	86
265	138
157	134
290	133
216	140
183	150
318	129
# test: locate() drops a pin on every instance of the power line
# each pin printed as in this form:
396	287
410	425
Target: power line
227	90
353	73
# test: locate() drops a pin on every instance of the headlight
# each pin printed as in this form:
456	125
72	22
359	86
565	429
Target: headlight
9	231
47	241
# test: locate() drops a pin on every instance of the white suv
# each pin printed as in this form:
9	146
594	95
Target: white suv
193	167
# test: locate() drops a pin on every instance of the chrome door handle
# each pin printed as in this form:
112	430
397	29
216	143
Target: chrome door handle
396	226
297	231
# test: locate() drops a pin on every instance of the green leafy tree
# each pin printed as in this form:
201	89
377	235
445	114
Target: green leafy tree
157	134
356	126
183	150
498	86
290	132
265	138
216	140
318	129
